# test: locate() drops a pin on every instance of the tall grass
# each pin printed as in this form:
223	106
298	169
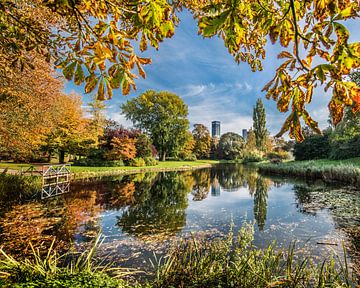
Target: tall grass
17	186
235	262
329	171
54	270
223	262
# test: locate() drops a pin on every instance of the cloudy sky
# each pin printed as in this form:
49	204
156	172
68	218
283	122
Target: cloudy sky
213	86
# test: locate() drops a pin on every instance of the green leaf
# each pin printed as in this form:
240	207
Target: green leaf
91	82
68	71
79	75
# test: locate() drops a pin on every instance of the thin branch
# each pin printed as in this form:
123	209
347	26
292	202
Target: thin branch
297	34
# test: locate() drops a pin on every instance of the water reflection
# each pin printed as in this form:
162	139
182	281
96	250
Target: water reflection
260	201
159	206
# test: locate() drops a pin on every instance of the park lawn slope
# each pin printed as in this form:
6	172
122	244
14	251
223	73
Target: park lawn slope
346	171
79	172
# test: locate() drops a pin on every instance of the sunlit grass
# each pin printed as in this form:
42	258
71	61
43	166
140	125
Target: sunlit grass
195	262
329	170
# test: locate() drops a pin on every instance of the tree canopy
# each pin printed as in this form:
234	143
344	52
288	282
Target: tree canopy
202	139
92	42
259	124
231	146
163	115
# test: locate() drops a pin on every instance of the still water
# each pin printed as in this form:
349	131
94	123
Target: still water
140	215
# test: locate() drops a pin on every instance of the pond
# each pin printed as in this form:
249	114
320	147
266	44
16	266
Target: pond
140	215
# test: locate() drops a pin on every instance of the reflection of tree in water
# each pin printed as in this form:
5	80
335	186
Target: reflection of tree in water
303	197
41	222
158	210
260	201
230	177
201	185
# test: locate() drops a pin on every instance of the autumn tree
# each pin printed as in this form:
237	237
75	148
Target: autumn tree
32	105
202	139
92	42
97	118
72	133
119	143
250	141
259	124
231	146
163	115
122	149
187	150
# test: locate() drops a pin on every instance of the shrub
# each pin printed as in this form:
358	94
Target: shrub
95	162
313	147
190	157
150	161
137	162
345	149
253	156
278	156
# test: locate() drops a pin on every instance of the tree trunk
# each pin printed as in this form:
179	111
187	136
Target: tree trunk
163	156
62	157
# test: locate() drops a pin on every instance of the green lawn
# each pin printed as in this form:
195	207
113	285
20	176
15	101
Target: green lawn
79	169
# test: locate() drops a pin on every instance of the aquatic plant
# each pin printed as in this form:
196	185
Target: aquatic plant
329	171
54	270
17	186
236	262
194	262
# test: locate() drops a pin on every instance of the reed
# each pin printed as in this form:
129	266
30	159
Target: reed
235	262
328	171
18	187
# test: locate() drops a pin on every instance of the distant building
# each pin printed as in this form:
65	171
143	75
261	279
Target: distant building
245	134
215	129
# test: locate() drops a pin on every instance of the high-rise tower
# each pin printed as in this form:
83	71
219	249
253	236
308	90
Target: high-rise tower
215	129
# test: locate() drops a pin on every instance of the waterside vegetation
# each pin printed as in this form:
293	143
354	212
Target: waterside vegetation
224	262
346	171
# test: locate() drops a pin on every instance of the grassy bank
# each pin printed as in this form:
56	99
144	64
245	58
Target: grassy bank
195	262
17	187
79	172
346	171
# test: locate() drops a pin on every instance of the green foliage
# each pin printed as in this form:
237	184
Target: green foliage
137	162
253	156
96	162
93	44
231	146
313	147
345	149
77	280
54	270
259	124
345	139
143	146
17	186
278	155
235	262
150	161
191	157
346	171
163	115
202	139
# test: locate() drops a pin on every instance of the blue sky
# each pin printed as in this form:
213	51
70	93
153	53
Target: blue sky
211	83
